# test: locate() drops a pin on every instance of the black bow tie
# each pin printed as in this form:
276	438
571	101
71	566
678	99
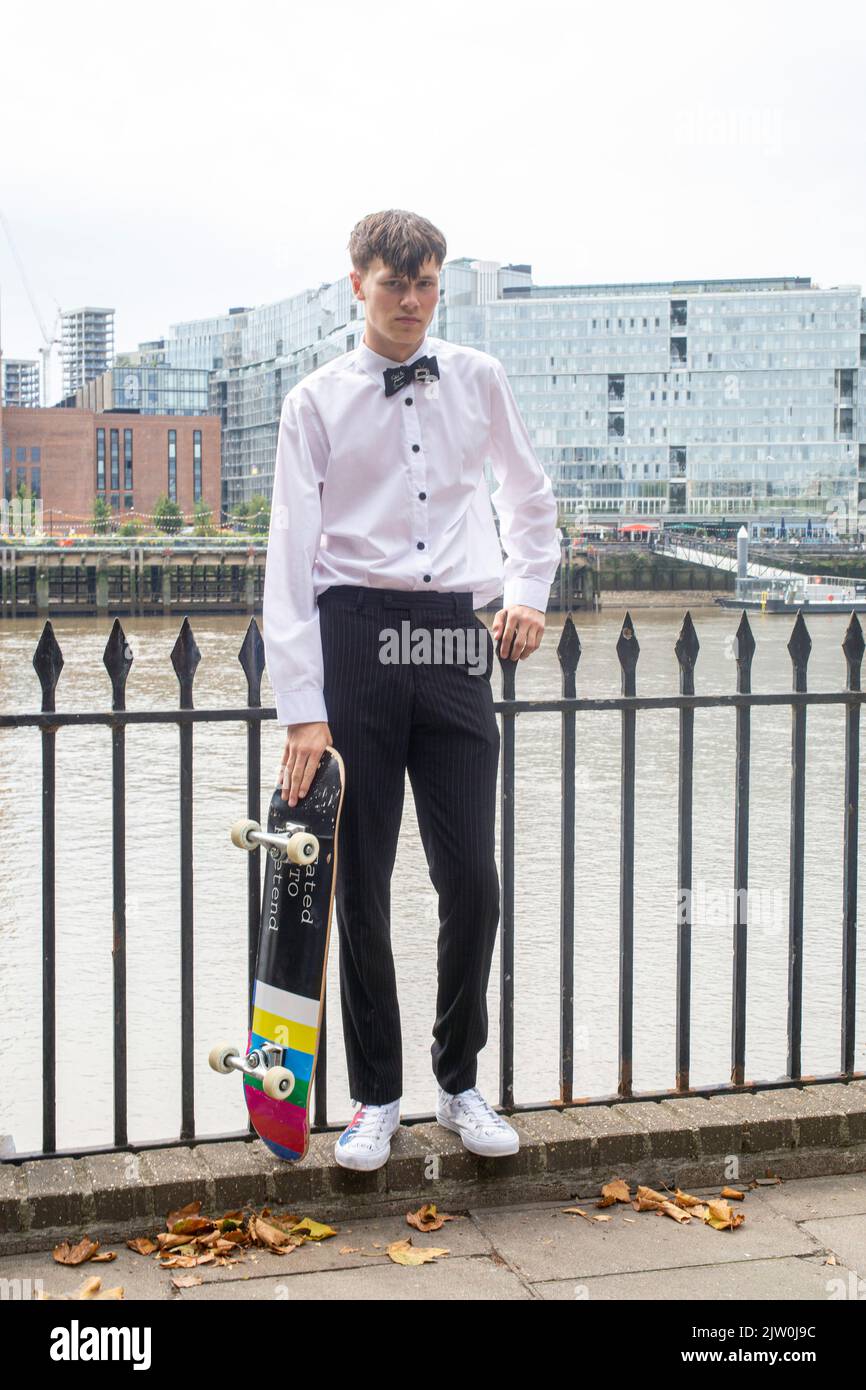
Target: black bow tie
422	369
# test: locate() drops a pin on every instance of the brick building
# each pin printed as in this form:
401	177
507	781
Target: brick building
69	457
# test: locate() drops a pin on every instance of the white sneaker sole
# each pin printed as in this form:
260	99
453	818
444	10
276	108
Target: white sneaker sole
499	1148
362	1162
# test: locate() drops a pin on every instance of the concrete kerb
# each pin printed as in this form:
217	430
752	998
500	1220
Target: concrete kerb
691	1142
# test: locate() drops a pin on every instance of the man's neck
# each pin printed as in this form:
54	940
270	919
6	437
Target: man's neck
395	352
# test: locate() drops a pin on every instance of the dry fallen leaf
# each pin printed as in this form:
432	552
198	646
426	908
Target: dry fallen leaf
649	1194
403	1252
191	1209
66	1254
587	1216
266	1234
312	1230
186	1281
103	1257
685	1199
90	1289
722	1216
615	1191
675	1212
191	1225
142	1245
427	1218
733	1192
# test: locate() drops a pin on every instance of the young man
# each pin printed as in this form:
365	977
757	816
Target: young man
381	521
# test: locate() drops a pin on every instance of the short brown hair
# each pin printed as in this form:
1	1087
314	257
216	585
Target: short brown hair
402	240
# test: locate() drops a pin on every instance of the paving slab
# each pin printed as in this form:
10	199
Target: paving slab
542	1242
448	1279
794	1277
839	1195
846	1237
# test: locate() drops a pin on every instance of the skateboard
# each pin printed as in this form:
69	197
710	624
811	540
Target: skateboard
289	987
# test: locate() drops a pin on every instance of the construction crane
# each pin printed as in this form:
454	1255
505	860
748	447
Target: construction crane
48	339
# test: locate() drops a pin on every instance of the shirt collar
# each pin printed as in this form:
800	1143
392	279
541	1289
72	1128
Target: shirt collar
375	364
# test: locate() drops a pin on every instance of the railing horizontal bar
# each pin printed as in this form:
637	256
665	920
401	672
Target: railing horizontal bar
554	706
748	1088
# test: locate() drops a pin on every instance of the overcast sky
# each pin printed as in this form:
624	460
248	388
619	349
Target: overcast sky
172	159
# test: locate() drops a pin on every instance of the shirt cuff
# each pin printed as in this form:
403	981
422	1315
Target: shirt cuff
533	592
300	707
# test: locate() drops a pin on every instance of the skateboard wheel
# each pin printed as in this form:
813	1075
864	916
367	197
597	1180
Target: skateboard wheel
218	1057
240	833
278	1083
302	848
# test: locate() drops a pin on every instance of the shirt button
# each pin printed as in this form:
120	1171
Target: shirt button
427	578
415	448
408	400
423	496
420	545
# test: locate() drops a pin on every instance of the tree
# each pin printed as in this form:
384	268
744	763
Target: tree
259	514
167	515
101	516
203	525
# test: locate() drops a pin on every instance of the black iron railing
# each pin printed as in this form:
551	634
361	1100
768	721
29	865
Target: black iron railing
185	657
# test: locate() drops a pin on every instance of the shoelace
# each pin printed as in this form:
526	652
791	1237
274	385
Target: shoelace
475	1107
368	1121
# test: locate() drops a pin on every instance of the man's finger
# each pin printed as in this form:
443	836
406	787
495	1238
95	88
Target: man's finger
533	641
298	777
511	638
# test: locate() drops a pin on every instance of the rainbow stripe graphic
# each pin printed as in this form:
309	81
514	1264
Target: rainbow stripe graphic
290	1021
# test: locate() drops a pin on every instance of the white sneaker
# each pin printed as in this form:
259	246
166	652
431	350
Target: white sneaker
481	1129
366	1142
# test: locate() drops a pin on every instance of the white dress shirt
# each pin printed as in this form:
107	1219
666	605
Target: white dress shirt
390	492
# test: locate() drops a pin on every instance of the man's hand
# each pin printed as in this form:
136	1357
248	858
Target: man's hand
305	744
521	629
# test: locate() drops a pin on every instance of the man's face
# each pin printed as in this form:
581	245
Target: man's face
396	309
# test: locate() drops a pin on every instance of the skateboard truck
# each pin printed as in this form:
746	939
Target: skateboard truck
264	1062
298	847
277	1060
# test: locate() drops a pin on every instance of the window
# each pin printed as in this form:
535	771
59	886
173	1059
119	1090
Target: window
100	460
115	458
20	454
196	465
35	454
36	482
172	465
127	459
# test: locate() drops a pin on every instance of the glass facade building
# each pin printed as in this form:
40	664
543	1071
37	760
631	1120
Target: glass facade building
732	399
20	384
148	390
87	345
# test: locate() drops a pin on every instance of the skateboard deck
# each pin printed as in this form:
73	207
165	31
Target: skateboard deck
291	964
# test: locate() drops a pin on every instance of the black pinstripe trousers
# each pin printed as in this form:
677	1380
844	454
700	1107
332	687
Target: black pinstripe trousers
436	721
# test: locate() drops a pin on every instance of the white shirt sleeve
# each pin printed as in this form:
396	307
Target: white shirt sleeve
290	615
524	502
